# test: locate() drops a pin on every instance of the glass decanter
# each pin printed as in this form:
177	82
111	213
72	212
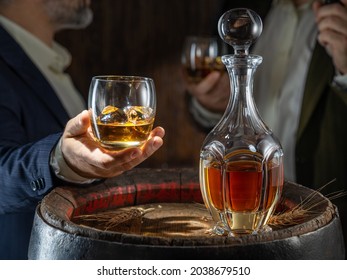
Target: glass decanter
241	161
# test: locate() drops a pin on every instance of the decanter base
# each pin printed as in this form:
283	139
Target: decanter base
219	229
247	222
235	233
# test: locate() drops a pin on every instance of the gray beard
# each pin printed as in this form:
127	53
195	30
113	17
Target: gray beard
63	17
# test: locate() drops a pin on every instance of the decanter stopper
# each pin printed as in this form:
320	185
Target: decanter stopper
239	28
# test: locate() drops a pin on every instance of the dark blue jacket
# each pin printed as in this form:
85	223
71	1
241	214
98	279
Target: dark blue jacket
31	121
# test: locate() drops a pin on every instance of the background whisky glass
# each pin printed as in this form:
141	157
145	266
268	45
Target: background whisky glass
201	56
122	110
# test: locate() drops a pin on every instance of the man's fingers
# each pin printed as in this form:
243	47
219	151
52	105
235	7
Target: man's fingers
78	125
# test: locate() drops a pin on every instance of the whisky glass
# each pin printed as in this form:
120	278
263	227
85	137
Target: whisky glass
122	110
201	56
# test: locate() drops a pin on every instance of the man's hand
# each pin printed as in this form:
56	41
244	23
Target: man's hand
212	92
89	160
332	26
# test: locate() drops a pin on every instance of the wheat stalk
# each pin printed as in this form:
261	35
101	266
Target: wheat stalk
113	218
304	209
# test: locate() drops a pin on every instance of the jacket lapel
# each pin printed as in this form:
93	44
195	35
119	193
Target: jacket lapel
17	59
321	67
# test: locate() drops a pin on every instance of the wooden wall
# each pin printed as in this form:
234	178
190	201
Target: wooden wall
144	37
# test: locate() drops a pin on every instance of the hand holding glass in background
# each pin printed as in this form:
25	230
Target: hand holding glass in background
201	56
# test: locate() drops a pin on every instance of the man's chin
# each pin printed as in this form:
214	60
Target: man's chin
84	21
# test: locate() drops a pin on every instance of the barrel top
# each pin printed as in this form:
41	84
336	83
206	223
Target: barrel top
179	216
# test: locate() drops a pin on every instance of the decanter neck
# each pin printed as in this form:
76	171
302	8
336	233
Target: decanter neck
241	107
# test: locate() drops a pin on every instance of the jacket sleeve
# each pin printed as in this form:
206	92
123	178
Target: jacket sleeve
25	174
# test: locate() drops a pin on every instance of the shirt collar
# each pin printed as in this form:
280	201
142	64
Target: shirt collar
303	6
56	59
298	11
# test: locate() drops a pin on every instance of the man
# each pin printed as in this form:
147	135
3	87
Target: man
300	90
36	101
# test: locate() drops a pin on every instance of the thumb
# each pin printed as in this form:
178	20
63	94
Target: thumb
207	84
77	125
315	6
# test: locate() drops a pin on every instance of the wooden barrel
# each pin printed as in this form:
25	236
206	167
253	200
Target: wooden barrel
174	224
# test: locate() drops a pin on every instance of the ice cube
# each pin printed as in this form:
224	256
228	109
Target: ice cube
138	113
111	114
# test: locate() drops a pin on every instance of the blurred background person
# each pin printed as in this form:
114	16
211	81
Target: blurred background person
300	90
